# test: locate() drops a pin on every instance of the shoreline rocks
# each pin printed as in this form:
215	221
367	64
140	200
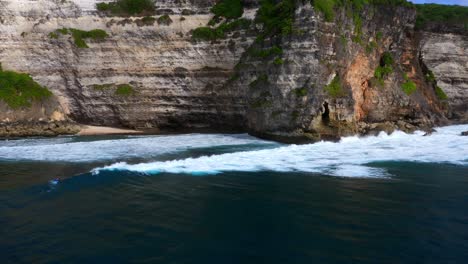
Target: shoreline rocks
38	128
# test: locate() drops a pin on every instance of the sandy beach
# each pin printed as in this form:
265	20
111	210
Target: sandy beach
98	130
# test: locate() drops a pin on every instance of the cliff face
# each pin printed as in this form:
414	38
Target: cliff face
446	55
326	85
176	81
322	85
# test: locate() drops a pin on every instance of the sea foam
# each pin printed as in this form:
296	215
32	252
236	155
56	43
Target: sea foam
348	158
66	149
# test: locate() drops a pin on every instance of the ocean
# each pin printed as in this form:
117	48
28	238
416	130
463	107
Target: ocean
220	198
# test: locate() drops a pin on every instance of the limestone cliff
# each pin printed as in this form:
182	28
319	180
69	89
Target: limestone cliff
446	55
322	85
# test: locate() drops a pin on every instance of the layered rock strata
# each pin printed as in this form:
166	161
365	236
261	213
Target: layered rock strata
322	87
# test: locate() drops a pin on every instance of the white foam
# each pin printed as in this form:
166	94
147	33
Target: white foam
64	149
347	158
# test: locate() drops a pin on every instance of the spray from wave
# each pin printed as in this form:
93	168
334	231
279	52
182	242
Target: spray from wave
348	158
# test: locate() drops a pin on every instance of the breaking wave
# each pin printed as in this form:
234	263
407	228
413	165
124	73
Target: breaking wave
348	158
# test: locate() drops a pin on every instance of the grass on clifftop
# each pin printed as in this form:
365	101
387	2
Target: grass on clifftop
127	7
20	90
449	14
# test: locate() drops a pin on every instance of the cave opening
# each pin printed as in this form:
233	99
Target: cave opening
326	113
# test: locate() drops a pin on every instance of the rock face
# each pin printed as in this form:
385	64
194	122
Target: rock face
446	55
179	83
296	102
176	81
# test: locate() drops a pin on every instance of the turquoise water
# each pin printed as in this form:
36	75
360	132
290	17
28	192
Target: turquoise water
235	199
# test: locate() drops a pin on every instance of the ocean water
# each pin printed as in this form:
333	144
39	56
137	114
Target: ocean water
212	198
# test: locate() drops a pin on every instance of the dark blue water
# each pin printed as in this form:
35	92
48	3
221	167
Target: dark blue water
416	214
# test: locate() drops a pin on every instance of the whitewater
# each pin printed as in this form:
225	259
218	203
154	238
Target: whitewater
350	157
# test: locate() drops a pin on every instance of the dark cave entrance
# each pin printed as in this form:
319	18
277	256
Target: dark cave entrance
326	114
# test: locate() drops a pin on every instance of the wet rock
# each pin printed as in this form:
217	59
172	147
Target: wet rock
429	132
465	133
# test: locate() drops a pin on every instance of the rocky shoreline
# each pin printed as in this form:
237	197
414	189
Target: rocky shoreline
39	128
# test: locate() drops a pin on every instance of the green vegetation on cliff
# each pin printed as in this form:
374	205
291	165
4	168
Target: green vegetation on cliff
409	87
329	7
209	33
124	90
265	53
164	20
385	68
448	14
79	36
20	90
440	93
262	79
276	16
334	89
300	91
228	9
127	7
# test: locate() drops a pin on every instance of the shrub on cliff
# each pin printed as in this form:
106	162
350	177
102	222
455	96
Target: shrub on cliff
334	89
409	87
124	90
127	7
440	93
208	33
164	20
20	90
80	35
228	9
385	67
277	17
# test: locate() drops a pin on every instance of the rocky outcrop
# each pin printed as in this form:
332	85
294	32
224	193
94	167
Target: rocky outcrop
321	87
42	118
445	53
294	99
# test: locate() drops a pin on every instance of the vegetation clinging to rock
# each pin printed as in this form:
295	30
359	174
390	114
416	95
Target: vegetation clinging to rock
334	89
20	90
124	90
409	87
228	9
164	20
440	93
208	33
385	67
127	7
276	16
80	35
